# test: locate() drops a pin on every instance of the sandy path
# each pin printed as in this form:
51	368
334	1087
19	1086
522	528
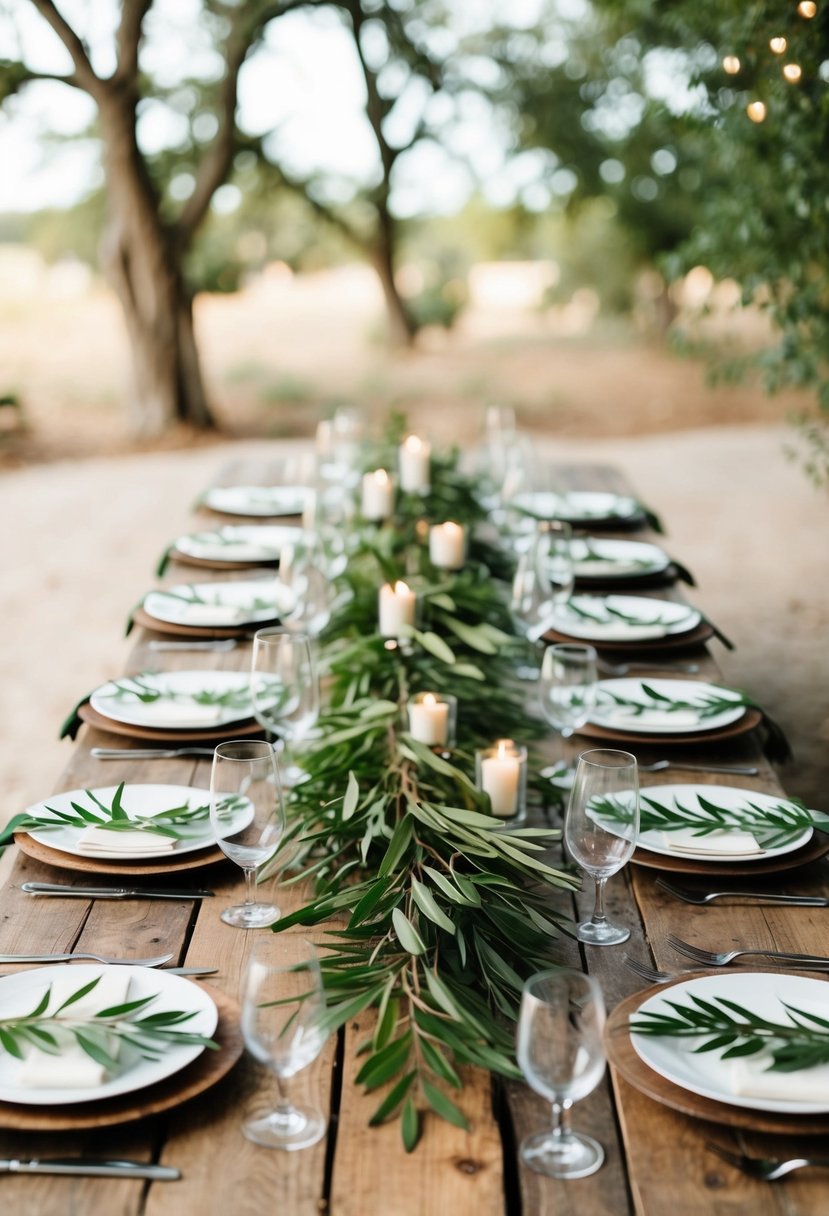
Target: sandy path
80	542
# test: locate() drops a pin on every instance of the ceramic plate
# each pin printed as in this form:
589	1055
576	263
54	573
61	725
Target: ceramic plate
178	690
598	558
577	506
623	618
655	720
20	993
220	605
238	543
706	1073
258	500
137	801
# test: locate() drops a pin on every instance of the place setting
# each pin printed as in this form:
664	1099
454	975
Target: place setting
213	610
277	501
628	623
584	508
610	562
231	547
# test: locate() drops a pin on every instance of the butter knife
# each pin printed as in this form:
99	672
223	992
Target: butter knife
91	1169
148	753
56	888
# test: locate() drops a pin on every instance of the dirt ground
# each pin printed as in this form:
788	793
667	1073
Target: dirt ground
84	523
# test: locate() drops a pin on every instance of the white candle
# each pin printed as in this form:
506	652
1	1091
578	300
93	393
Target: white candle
429	720
415	454
378	495
499	778
397	609
447	546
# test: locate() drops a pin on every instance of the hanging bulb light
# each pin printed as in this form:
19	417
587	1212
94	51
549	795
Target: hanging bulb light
807	9
731	64
756	111
792	72
778	45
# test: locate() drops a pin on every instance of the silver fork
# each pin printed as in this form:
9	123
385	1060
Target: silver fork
772	897
649	974
721	958
98	958
765	1168
737	770
217	644
621	669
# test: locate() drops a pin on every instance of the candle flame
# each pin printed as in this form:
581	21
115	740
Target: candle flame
429	698
401	588
792	72
731	64
505	747
413	443
381	476
778	45
452	528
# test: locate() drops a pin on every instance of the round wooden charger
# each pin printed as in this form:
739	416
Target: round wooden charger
233	730
208	632
142	867
622	1056
209	563
683	641
817	847
750	719
205	1071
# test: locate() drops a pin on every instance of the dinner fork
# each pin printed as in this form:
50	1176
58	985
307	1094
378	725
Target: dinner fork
98	958
216	644
621	669
649	974
765	1168
737	770
721	958
773	897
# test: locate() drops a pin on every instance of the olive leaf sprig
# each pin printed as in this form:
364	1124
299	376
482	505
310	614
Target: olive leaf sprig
587	553
801	1042
771	826
606	614
48	1030
705	705
139	688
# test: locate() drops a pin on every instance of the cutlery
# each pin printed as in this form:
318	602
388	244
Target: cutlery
148	753
721	958
55	888
194	971
98	958
217	644
705	897
765	1168
91	1168
653	976
621	669
741	770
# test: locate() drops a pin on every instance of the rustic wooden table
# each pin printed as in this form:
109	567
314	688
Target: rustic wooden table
657	1160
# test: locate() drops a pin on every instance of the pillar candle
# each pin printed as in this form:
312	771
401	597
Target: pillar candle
378	495
447	546
415	454
499	778
397	609
429	720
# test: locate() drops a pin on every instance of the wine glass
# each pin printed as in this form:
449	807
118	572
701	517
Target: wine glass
602	846
284	688
304	571
567	692
283	1007
559	1042
247	768
543	579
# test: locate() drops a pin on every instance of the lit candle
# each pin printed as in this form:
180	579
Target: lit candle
447	546
397	609
500	776
429	720
378	493
415	454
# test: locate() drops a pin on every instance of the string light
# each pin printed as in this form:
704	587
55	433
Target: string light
756	111
807	9
778	45
792	72
731	64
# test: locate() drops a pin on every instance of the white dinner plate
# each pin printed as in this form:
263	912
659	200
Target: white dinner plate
20	993
138	801
178	689
657	721
222	605
258	500
239	542
727	796
577	506
706	1073
601	558
623	618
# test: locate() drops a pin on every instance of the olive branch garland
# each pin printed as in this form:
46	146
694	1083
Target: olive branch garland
440	913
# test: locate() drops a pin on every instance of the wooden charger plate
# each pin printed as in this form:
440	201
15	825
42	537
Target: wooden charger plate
622	1056
748	722
817	847
141	617
233	730
204	1072
674	642
126	870
210	563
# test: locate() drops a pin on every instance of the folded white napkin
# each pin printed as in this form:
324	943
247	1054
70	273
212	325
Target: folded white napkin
598	566
73	1068
748	1078
174	713
208	614
659	718
243	551
625	632
101	840
717	844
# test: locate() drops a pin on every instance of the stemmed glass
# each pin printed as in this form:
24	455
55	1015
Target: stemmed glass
284	688
247	768
283	1007
560	1052
567	691
543	580
601	846
304	571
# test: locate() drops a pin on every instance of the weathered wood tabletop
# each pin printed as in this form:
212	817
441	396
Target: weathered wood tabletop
657	1160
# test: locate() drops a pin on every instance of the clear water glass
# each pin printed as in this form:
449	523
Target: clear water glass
567	689
600	845
283	1010
247	769
285	690
559	1049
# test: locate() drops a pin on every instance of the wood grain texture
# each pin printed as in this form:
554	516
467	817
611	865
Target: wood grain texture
126	869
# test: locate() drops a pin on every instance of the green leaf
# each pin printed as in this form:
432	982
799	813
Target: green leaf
444	1106
428	905
400	841
369	902
410	1126
439	1064
407	935
351	797
392	1100
382	1065
435	645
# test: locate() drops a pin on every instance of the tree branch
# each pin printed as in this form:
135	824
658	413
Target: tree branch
14	75
128	37
84	73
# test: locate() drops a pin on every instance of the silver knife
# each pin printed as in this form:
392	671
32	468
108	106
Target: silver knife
56	888
148	753
91	1169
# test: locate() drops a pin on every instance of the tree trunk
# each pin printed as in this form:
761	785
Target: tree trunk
142	260
402	328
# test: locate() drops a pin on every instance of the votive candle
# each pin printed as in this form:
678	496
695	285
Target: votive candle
429	719
397	609
447	545
415	456
378	495
501	773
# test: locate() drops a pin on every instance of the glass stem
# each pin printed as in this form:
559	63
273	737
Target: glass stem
250	886
561	1119
599	917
